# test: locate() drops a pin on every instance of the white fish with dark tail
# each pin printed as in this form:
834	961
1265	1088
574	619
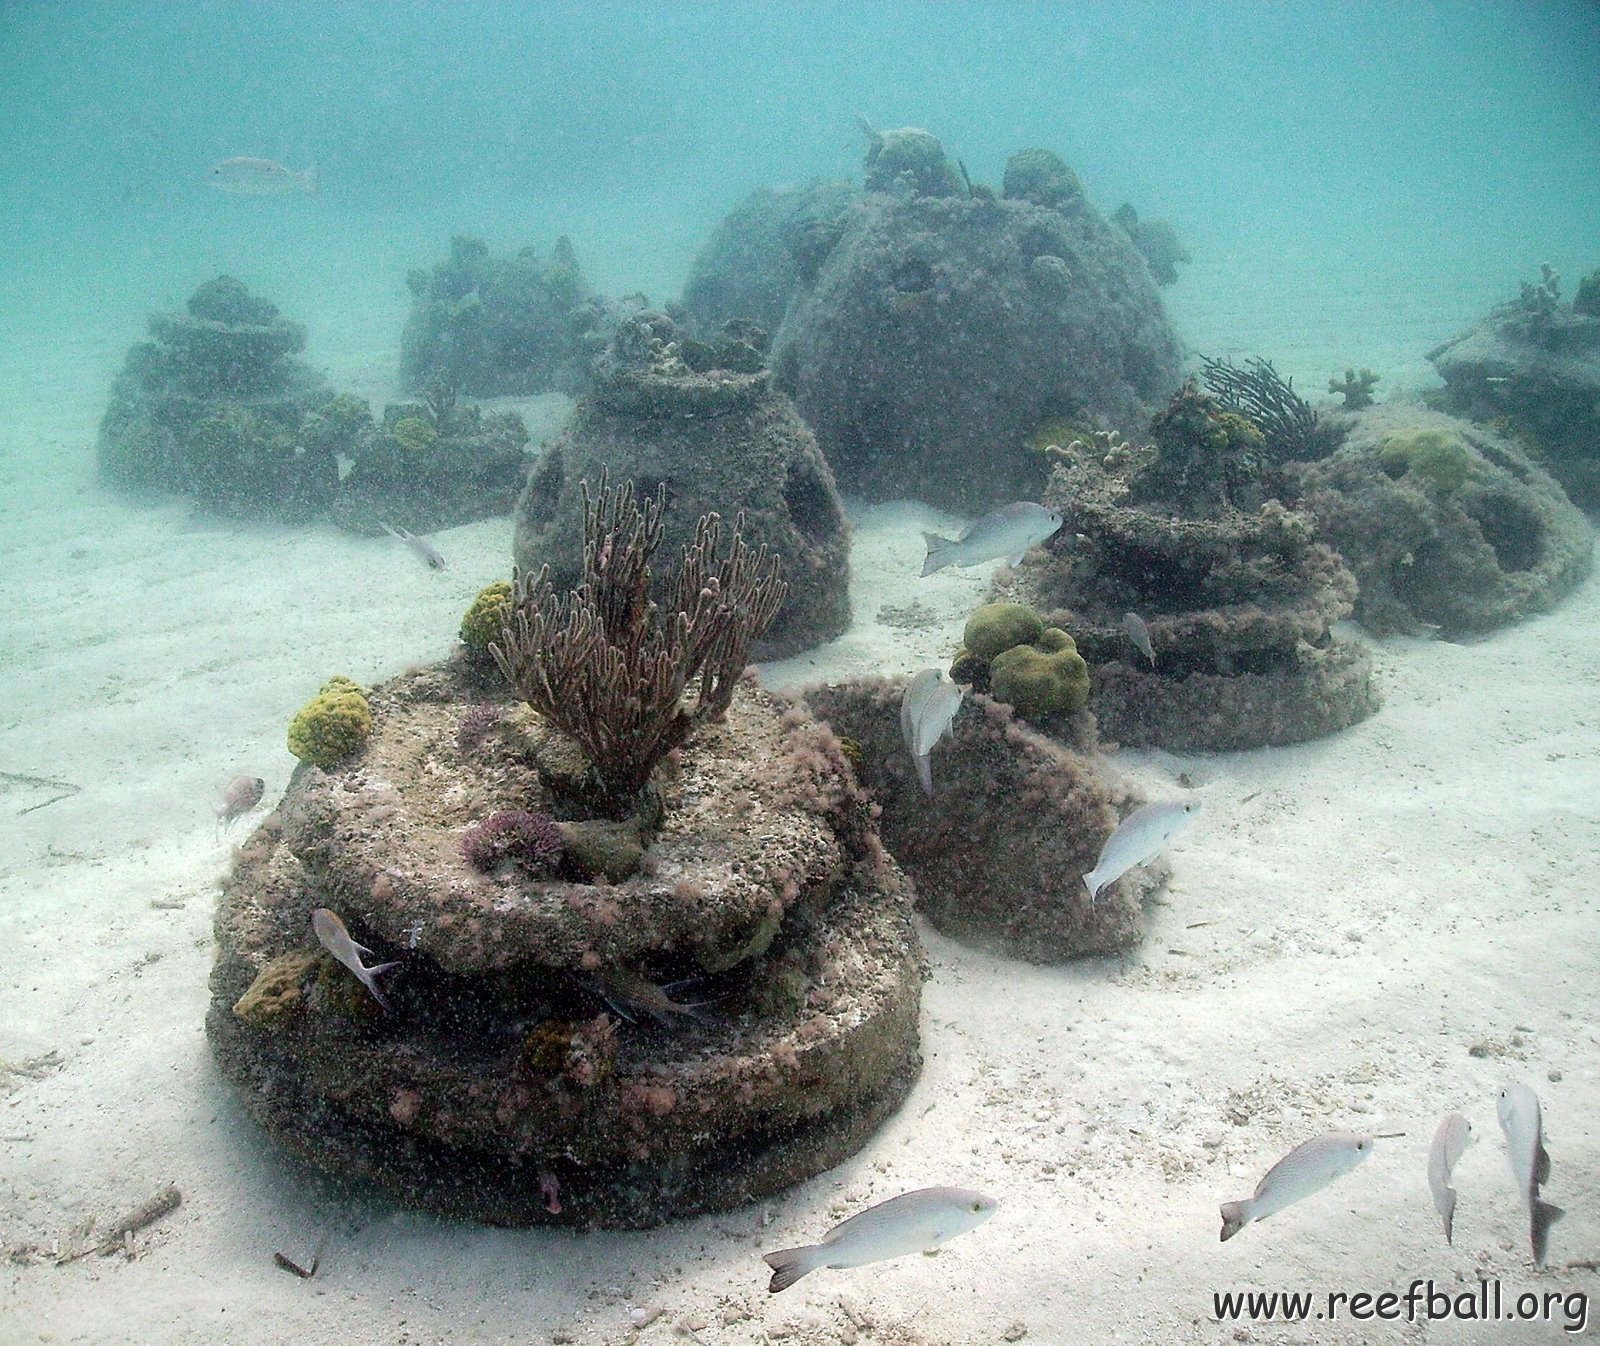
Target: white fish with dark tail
423	548
910	1223
1139	837
337	940
927	709
245	176
1133	626
1521	1120
1008	531
1305	1169
1449	1141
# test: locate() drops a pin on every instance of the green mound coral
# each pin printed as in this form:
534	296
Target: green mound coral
415	434
1043	679
1439	459
332	725
480	628
996	627
1041	177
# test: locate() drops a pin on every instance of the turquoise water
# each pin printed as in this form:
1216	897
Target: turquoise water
1354	182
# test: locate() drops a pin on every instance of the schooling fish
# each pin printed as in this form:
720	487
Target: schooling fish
242	794
333	936
1139	837
423	548
1134	628
1305	1169
927	709
1007	531
909	1223
1452	1137
1520	1119
245	176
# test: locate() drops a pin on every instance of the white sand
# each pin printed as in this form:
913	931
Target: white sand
1366	931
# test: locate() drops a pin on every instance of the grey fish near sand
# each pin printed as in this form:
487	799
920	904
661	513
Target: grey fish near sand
1008	531
423	548
1133	626
909	1223
1449	1141
337	940
1521	1120
1305	1169
1139	837
242	794
927	709
245	176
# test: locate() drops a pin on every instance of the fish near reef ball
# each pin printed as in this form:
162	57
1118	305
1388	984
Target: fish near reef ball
242	794
1305	1169
927	710
1521	1120
1008	531
1139	837
245	176
336	939
1449	1141
909	1223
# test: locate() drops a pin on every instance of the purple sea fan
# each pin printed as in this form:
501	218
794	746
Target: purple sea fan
530	840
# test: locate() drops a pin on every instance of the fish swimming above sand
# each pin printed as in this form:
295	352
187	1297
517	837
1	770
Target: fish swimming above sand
1521	1120
242	794
1139	837
244	176
909	1223
1449	1141
423	548
927	709
1305	1169
1008	531
336	939
1133	626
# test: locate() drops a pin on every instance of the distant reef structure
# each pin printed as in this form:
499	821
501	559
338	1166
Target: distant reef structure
933	331
700	420
1445	523
1531	370
216	408
1234	592
499	326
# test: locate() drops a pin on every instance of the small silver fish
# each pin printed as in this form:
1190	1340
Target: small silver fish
336	939
1452	1137
927	709
1134	628
423	548
244	176
1007	531
242	794
1521	1120
909	1223
1305	1169
1139	837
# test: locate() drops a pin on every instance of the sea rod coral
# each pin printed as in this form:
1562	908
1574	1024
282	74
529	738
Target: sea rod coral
610	670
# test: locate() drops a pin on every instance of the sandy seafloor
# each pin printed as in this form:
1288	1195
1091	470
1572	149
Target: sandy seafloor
1367	931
